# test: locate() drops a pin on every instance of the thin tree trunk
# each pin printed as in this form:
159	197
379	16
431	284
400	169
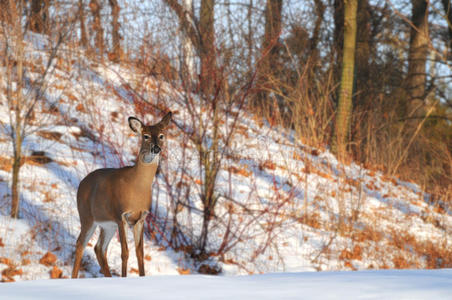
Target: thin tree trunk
15	194
417	57
16	99
4	11
83	33
270	49
314	41
363	94
362	52
97	26
116	37
346	89
207	49
39	16
250	36
189	53
202	37
338	38
447	5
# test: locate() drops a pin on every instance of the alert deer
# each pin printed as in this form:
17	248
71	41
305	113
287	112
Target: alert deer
118	198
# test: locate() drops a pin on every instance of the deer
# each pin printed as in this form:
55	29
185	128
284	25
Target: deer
118	198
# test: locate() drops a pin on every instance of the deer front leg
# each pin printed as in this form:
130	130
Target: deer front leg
138	237
122	227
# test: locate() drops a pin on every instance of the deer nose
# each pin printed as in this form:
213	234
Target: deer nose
156	149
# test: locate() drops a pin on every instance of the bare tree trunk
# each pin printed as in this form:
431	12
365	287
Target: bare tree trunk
270	43
116	37
202	35
362	51
207	50
270	49
189	53
15	195
314	41
250	36
338	39
38	20
83	33
188	23
447	5
417	56
363	97
15	97
346	90
97	26
3	11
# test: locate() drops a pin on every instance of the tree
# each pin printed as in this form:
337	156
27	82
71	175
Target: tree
39	15
95	7
338	38
201	32
23	92
418	51
270	49
14	95
447	5
83	33
116	37
346	89
362	52
189	52
208	74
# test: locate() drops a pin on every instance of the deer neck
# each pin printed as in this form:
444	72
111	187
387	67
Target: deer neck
144	173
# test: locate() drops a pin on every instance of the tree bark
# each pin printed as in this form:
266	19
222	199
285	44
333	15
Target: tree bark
83	33
38	21
447	5
116	37
314	43
338	39
207	50
188	55
362	56
3	11
270	49
188	23
97	26
346	89
15	100
417	57
202	35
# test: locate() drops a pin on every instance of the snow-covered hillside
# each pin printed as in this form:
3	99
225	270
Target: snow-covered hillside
282	206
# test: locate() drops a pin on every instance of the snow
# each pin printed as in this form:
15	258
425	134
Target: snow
284	198
387	284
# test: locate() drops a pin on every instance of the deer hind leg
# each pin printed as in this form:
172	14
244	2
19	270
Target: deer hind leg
86	233
138	237
107	231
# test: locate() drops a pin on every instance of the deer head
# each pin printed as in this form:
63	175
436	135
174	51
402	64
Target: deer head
152	138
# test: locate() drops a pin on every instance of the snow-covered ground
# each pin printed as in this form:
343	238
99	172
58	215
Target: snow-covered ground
386	284
283	206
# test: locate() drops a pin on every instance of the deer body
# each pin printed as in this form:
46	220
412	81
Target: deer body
117	198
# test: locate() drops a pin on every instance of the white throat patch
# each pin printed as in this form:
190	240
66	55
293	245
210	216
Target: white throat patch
151	158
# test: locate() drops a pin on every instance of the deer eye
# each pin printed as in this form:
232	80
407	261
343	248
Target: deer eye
161	136
146	136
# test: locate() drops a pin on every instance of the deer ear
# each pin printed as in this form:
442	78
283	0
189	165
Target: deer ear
165	120
135	124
